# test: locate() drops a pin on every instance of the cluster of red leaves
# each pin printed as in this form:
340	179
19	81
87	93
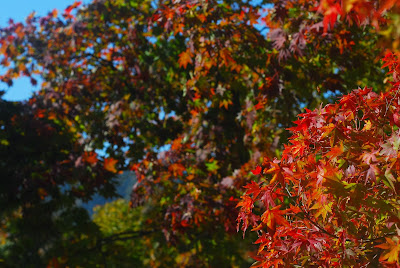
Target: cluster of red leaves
332	200
381	14
355	11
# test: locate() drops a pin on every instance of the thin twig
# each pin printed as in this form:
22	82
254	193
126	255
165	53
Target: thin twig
387	106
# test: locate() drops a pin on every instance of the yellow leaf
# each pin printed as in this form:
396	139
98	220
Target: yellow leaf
322	209
348	5
391	253
327	130
367	125
269	219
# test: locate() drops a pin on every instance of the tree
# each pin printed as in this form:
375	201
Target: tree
42	177
189	95
122	243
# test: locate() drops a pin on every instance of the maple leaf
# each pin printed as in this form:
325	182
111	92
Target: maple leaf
330	16
253	188
276	170
267	199
225	103
259	105
257	171
367	126
212	166
396	119
298	148
71	7
392	249
386	4
368	157
272	217
109	164
348	5
176	169
176	144
263	240
246	203
387	150
371	172
246	218
335	151
278	38
327	130
184	59
294	209
90	158
322	209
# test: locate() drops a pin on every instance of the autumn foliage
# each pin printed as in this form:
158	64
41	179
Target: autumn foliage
190	96
332	198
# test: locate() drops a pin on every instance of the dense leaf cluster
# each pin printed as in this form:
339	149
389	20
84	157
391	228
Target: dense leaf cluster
332	198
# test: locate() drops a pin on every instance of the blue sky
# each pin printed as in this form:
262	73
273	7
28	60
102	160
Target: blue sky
18	10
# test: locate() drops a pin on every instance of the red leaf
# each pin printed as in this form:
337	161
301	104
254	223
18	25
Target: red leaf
396	119
267	199
253	188
257	171
330	16
71	7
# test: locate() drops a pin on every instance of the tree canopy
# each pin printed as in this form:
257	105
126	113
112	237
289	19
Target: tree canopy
192	96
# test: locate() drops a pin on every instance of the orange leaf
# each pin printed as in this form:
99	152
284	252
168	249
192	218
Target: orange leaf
176	169
109	164
90	157
335	151
246	203
273	216
327	130
184	58
386	4
176	144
